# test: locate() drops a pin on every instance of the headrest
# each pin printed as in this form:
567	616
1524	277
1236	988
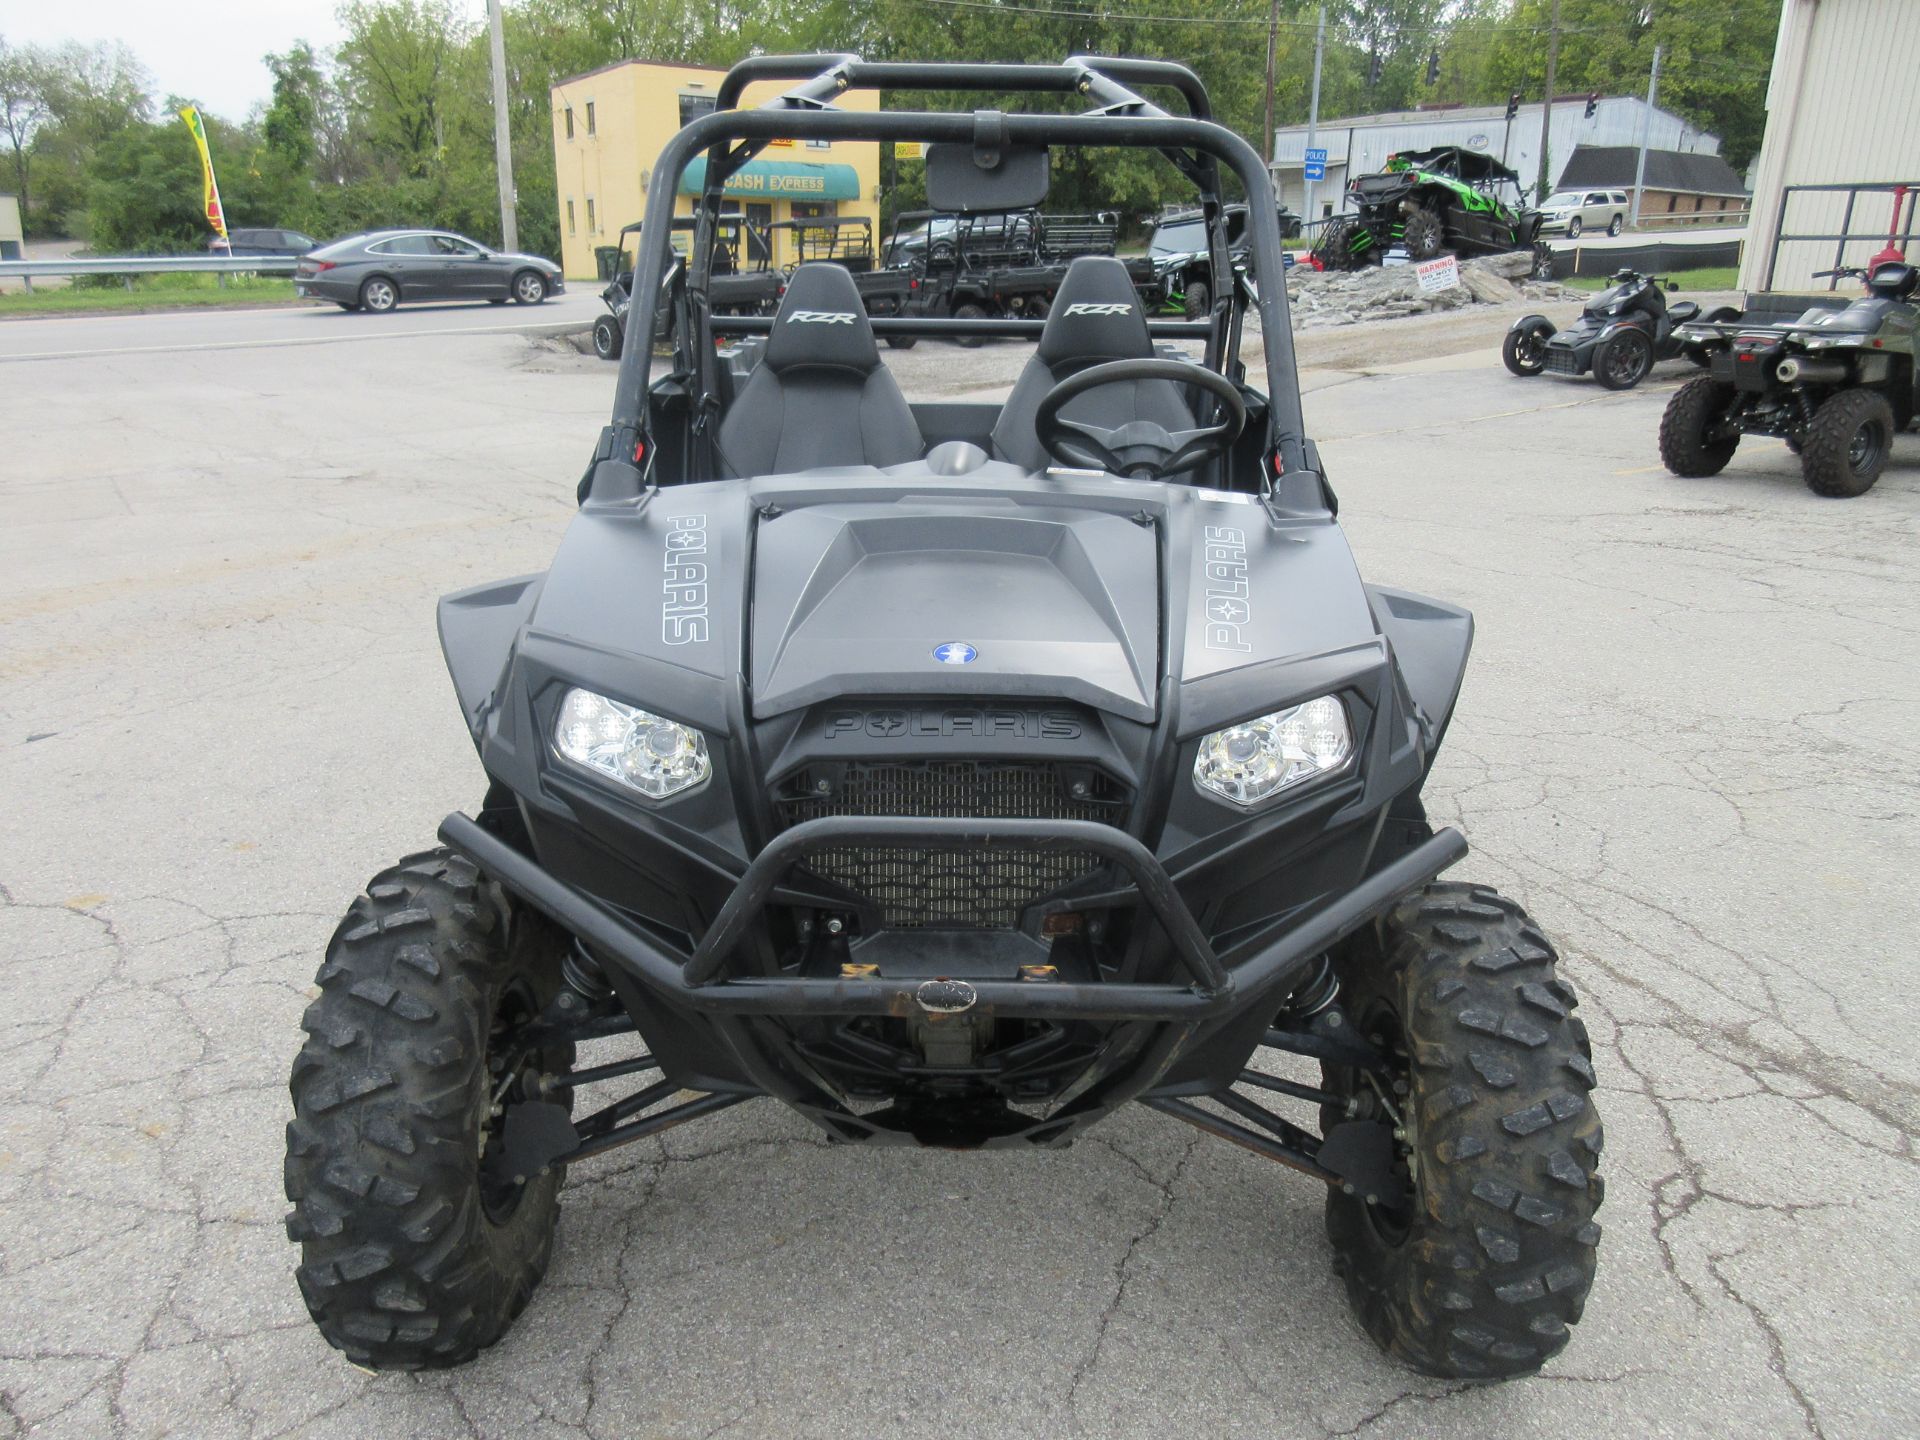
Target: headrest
1096	315
822	323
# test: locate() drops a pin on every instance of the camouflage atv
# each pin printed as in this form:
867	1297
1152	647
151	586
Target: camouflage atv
1431	202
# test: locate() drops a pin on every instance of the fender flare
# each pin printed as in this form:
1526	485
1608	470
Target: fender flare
1528	322
478	630
1430	640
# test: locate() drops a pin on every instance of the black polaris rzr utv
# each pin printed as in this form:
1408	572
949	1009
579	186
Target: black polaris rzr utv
1836	384
1622	331
1433	202
955	774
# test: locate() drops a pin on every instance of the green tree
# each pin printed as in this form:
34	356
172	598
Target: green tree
25	107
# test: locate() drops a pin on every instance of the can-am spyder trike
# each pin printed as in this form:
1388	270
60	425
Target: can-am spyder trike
1836	385
956	774
1621	333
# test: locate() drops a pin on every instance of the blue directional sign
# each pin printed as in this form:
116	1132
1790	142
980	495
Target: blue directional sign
1316	165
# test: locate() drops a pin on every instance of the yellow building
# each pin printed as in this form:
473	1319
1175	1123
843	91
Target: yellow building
608	129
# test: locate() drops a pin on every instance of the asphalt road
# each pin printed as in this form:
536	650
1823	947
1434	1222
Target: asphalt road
169	332
1686	742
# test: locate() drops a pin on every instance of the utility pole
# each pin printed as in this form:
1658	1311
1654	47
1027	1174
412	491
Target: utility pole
502	140
1646	133
1546	111
1273	29
1313	112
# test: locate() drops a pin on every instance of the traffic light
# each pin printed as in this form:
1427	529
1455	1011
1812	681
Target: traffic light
1513	104
1373	70
1593	103
1433	68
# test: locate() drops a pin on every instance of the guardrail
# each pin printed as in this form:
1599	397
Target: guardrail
128	266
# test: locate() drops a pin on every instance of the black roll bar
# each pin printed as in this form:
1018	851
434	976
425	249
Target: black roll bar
805	113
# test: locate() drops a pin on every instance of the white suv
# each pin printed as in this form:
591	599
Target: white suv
1577	210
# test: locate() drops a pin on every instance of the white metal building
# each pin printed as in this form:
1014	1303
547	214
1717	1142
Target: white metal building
1843	108
1360	144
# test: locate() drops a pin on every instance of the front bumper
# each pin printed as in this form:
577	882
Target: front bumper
709	980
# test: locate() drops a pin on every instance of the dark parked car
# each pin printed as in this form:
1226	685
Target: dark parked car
379	269
263	242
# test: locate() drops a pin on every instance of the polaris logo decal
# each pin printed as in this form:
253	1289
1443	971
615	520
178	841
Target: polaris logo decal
1229	600
963	722
955	652
1083	308
683	587
820	317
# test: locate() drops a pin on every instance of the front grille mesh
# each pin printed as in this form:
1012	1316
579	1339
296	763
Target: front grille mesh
1562	361
983	888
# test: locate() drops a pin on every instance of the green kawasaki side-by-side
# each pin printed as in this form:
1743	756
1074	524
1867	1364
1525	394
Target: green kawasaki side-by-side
1430	202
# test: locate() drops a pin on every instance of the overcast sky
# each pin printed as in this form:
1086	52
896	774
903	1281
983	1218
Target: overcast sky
191	47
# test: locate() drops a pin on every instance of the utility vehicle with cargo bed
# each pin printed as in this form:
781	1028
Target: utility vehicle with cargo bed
954	774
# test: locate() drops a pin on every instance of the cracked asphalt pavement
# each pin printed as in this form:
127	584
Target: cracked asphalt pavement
1687	743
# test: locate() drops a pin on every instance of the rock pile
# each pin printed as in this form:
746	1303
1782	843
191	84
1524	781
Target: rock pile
1386	292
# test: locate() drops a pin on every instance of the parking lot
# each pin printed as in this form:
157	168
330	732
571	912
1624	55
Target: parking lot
1686	742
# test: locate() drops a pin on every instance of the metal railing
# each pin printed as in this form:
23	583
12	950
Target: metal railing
1899	189
128	266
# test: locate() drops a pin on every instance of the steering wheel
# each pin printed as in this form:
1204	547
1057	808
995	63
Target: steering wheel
1140	449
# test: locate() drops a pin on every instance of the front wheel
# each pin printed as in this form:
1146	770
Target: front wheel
529	288
1623	359
970	311
1573	228
1692	444
1524	351
418	1248
1846	446
1479	1267
607	338
1197	299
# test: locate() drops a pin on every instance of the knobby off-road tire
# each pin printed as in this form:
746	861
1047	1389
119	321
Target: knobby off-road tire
1199	299
1847	444
1685	448
609	338
1424	233
1494	1262
416	1252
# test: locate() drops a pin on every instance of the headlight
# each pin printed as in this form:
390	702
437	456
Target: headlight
1258	758
644	752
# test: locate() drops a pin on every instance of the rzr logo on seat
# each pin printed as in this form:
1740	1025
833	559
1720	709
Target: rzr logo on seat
1083	308
820	317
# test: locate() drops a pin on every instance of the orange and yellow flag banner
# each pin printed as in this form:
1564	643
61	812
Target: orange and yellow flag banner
211	197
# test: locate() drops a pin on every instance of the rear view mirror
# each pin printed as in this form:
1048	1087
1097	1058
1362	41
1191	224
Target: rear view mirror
1672	285
969	180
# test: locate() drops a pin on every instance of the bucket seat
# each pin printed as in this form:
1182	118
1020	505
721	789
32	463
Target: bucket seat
819	396
1095	317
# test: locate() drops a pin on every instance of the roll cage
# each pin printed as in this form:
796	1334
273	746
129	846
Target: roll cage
1117	116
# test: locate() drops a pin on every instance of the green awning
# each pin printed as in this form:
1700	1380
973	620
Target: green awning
779	180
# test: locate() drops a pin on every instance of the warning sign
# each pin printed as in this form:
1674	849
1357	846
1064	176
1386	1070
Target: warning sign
1442	273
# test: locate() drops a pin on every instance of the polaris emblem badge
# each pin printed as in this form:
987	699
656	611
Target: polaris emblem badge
1083	308
955	652
820	317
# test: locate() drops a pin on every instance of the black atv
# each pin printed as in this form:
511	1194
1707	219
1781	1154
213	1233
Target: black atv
1836	385
744	279
1621	333
1429	202
957	775
1183	279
